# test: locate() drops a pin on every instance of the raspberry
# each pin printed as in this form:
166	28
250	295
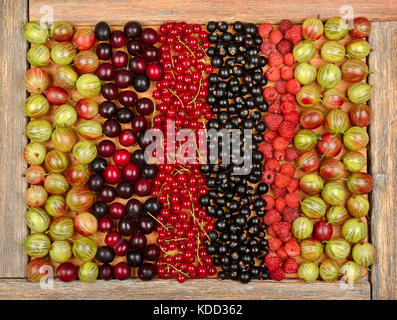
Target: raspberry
264	30
270	135
272	164
272	261
279	204
279	192
273	74
288	169
277	274
287	106
285	24
290	266
281	86
268	176
270	230
269	202
292	248
280	143
275	36
274	243
287	237
273	120
293	185
284	46
291	154
286	129
270	94
293	86
275	59
288	59
294	34
275	107
267	47
290	214
271	217
291	116
287	73
281	228
288	97
267	149
282	254
282	180
292	200
279	155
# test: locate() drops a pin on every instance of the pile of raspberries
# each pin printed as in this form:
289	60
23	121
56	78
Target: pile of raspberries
281	119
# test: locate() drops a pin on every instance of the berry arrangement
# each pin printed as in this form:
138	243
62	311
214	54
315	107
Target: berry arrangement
281	120
292	203
331	142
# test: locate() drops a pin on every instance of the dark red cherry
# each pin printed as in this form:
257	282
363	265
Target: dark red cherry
154	71
151	53
138	241
147	271
124	115
123	78
106	272
119	59
116	210
152	252
131	172
145	106
105	71
139	124
143	187
127	226
121	248
128	98
149	36
107	109
146	224
105	224
127	138
125	189
137	65
104	51
109	91
134	47
111	128
132	29
106	148
133	208
122	271
107	194
117	39
141	83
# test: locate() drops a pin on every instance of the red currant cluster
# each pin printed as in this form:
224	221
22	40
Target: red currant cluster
183	224
184	86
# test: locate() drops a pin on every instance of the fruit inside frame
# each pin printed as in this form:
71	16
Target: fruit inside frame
99	210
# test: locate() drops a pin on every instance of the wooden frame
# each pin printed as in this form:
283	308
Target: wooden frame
382	153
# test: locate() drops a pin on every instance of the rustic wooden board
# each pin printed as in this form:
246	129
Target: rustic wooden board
156	12
383	158
195	290
12	139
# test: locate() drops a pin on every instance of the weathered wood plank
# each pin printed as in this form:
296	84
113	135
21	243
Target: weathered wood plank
383	158
200	289
157	12
12	139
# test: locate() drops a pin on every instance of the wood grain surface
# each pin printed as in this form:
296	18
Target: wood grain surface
155	12
383	158
191	290
12	138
